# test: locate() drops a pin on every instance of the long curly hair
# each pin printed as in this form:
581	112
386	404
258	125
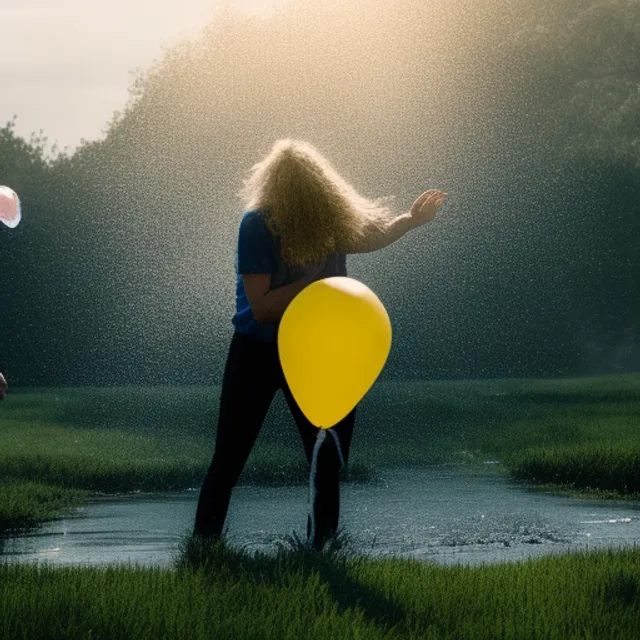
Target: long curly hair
312	209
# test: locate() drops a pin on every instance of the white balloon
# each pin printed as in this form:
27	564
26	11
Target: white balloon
9	207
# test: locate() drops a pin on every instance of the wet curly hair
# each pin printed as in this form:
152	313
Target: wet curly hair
313	210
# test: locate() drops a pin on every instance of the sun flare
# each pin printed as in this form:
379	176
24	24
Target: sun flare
260	8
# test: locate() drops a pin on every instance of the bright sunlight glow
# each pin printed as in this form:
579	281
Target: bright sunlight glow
259	8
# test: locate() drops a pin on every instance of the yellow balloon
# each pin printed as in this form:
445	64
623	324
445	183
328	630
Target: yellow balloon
333	341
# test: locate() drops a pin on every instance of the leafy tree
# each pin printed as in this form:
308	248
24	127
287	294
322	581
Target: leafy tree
527	112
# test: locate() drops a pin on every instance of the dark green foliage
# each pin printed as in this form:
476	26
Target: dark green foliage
122	270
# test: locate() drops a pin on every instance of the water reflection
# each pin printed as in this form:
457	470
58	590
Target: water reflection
445	514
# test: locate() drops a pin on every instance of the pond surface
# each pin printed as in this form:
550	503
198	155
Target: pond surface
446	515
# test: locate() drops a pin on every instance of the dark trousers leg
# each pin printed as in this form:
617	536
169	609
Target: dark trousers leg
326	507
249	384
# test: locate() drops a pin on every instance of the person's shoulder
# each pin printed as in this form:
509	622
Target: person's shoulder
252	214
254	228
254	218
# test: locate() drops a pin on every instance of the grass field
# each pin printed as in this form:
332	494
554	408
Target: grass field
58	444
225	593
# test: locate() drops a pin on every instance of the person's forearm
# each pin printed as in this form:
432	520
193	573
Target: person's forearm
393	231
274	304
397	228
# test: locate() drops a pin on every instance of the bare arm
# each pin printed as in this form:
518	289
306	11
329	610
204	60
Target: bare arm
377	239
423	210
269	306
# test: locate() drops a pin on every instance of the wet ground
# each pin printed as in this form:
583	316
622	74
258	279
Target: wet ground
446	515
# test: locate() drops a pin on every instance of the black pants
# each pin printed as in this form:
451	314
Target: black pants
252	376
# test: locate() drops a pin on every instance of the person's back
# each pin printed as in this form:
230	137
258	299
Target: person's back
301	219
258	252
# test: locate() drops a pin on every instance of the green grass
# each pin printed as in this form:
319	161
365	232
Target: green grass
25	504
215	591
99	460
65	442
58	446
578	434
612	470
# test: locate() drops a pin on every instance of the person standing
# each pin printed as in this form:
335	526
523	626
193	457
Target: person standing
301	220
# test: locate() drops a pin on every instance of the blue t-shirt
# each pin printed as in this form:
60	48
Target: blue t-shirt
258	252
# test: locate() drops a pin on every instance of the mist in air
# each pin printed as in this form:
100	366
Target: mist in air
511	311
122	271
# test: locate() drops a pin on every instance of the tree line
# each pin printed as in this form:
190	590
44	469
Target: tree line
528	114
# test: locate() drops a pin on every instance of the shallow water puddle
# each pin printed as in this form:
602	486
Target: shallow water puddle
447	515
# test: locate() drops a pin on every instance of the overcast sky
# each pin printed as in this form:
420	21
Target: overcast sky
66	64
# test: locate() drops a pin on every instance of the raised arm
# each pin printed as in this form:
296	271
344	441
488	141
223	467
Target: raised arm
423	210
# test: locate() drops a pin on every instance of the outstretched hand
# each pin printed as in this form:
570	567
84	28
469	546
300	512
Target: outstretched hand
424	209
